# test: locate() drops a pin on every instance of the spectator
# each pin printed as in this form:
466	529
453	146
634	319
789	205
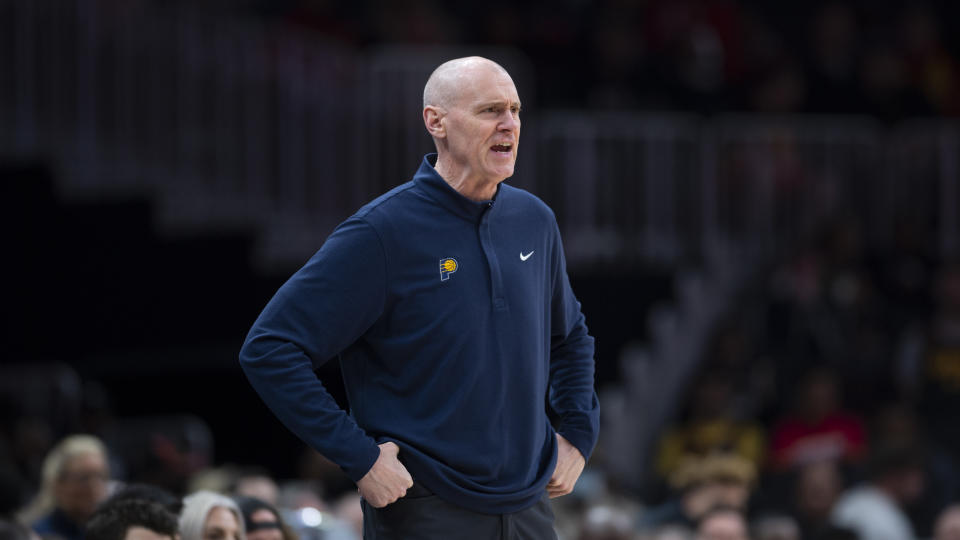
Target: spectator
723	524
256	483
702	484
74	481
262	521
875	510
947	526
347	509
818	486
939	372
932	69
210	516
607	522
899	425
669	532
832	59
776	527
132	519
710	428
818	429
151	493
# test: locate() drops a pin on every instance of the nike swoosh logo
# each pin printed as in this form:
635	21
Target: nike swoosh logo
525	257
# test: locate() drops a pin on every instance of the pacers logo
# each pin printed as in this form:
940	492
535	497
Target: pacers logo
448	265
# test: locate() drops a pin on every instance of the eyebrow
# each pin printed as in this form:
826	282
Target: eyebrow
496	103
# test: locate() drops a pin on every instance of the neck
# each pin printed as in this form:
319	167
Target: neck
470	186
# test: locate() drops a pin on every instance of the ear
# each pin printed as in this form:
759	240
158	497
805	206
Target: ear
433	120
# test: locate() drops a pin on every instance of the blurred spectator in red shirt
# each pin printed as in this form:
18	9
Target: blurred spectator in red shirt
818	429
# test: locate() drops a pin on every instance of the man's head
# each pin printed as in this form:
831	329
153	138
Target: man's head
898	470
132	519
472	111
148	492
817	488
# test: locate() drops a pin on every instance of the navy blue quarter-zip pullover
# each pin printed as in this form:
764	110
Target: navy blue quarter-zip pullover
452	319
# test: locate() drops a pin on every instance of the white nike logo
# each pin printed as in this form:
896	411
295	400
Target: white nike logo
525	257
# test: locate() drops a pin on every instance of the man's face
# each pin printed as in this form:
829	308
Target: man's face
482	125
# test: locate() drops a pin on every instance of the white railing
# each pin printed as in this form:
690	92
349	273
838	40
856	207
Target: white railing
232	121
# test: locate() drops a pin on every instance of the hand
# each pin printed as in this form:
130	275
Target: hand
388	480
569	466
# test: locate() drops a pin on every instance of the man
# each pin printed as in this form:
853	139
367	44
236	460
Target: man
876	509
132	519
448	303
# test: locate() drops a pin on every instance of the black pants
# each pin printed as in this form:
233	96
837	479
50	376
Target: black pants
421	515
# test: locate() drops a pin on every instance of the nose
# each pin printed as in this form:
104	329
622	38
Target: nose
509	121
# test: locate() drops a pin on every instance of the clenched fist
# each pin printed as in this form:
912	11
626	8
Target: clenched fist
388	480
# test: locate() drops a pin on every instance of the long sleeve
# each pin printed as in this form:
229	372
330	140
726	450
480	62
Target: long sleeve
321	310
572	394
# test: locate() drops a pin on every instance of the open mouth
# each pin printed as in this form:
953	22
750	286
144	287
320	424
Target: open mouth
502	148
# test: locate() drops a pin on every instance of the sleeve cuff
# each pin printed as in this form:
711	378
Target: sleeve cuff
582	441
362	464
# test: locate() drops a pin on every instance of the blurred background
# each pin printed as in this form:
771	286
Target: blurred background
759	204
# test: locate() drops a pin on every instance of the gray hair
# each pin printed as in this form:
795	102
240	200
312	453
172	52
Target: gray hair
197	506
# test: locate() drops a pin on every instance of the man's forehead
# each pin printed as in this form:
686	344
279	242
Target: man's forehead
468	80
492	86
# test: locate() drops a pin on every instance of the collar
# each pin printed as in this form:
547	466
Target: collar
429	180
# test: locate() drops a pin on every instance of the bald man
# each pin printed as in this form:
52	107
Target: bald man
448	304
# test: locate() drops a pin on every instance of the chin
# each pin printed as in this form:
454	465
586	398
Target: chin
501	173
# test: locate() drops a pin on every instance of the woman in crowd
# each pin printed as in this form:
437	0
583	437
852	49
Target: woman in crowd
210	516
74	481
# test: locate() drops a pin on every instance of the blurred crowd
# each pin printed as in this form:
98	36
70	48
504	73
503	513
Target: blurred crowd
826	404
824	407
79	495
890	59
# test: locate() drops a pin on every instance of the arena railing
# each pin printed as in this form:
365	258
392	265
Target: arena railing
232	121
